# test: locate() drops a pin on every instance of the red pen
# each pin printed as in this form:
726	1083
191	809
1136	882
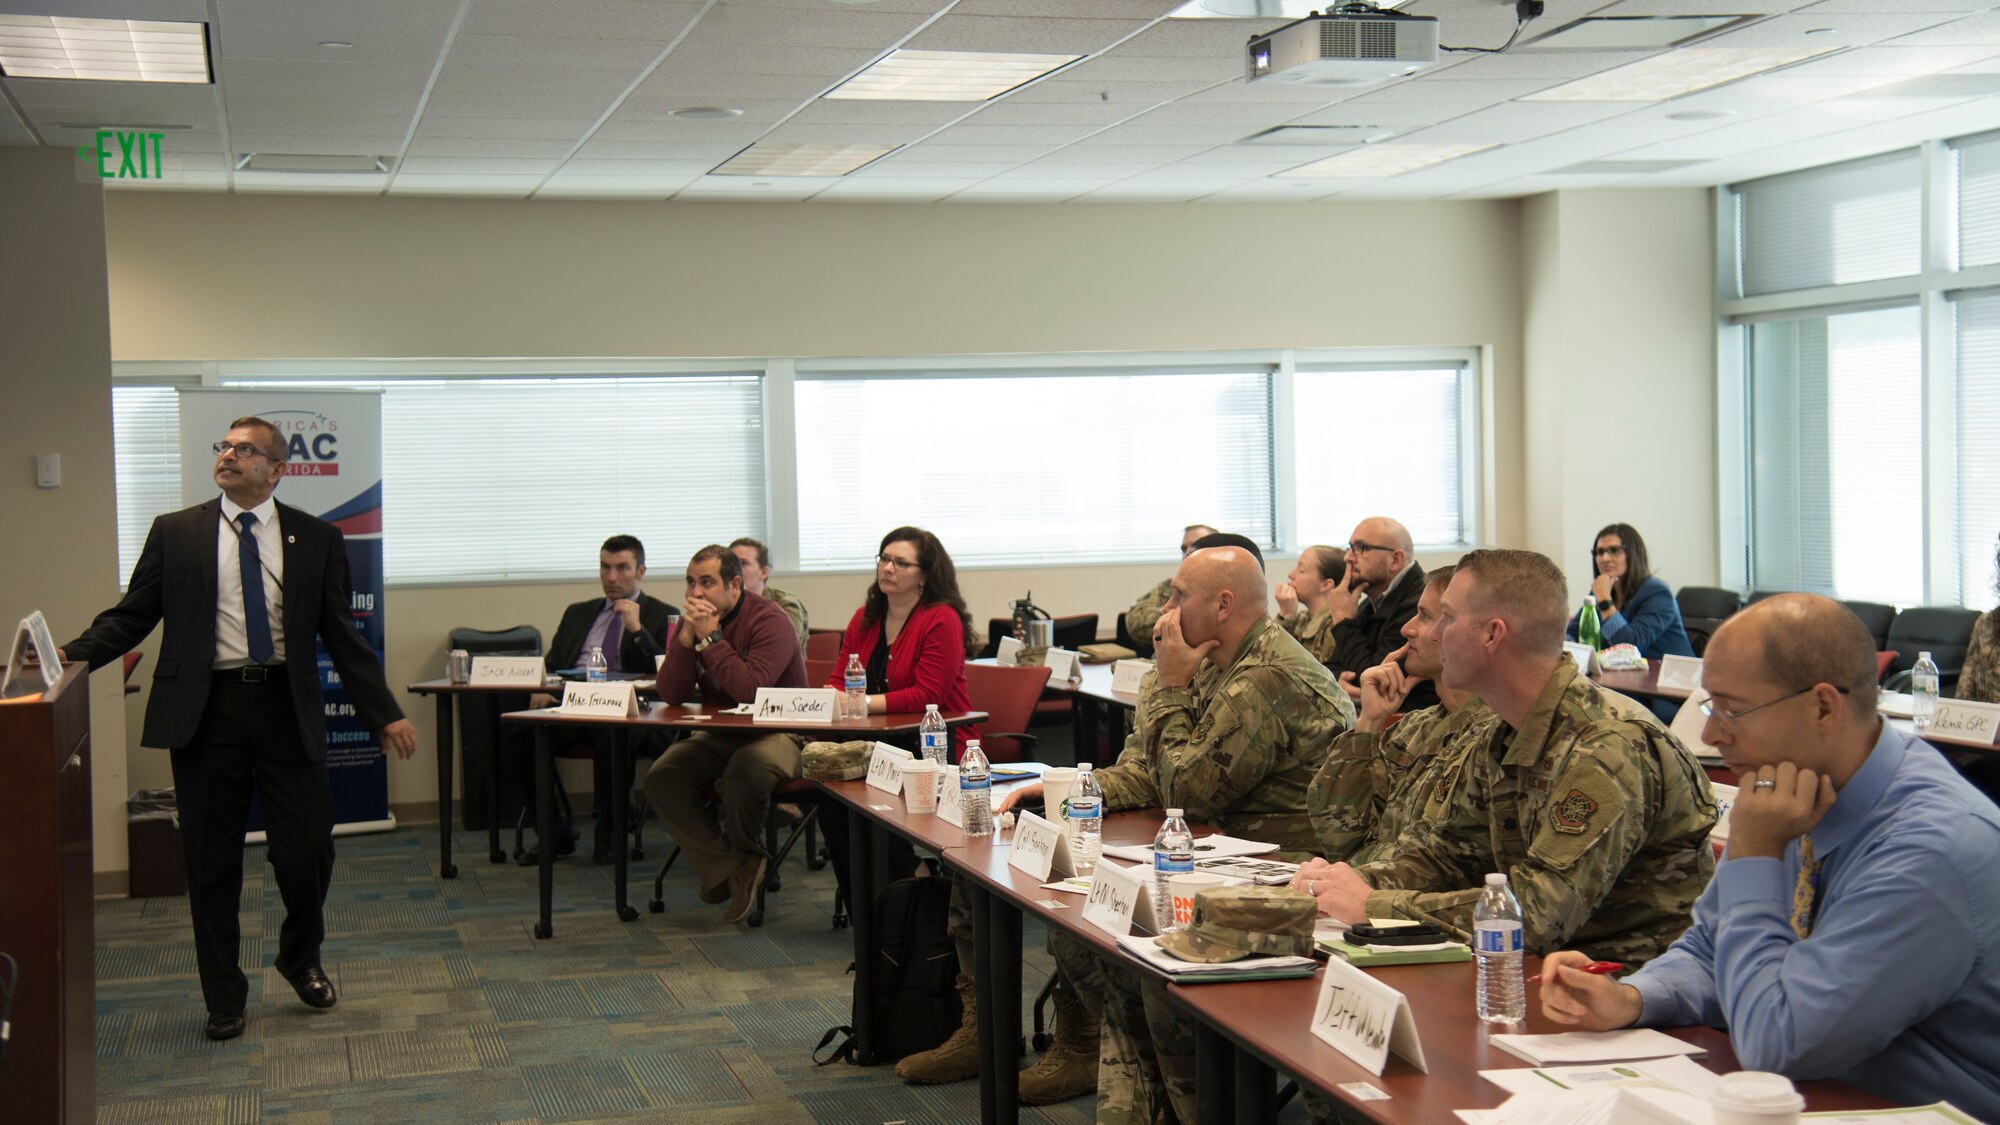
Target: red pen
1599	967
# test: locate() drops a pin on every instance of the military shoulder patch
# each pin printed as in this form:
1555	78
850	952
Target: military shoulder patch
1573	811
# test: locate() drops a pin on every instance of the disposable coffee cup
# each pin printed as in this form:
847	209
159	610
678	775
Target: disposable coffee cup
920	785
1756	1097
1057	784
1183	888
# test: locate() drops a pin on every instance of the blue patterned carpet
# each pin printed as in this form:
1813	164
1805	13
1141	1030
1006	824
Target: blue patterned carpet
451	1011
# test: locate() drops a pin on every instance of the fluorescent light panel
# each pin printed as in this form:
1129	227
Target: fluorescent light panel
1318	135
1626	33
1260	9
800	160
1675	73
103	50
1378	161
946	76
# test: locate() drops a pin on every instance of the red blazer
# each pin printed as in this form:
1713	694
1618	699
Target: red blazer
926	662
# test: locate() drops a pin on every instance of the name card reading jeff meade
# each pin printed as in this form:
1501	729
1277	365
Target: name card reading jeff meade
883	773
507	671
1040	849
1365	1019
1964	719
614	699
1115	896
1683	672
1126	674
794	705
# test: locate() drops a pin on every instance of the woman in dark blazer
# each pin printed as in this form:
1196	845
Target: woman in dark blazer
1633	607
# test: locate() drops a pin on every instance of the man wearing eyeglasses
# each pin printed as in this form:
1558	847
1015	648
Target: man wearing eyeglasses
1145	613
1853	927
246	586
1370	607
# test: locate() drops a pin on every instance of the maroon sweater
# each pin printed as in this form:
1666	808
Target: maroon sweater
759	648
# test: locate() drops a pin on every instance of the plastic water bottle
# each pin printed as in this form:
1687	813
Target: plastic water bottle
1086	820
1496	929
1588	629
854	704
975	788
1173	854
1923	691
596	669
932	735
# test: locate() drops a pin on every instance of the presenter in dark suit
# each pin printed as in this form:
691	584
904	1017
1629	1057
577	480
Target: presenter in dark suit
246	585
630	625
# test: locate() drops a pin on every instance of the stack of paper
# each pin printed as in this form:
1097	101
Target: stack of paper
1255	967
1595	1046
1205	848
1371	956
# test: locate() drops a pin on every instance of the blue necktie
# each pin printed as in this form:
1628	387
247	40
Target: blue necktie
256	620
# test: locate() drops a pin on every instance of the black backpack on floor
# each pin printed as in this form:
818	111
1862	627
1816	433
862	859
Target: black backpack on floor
915	1002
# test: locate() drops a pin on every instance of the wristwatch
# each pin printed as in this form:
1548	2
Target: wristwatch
1603	605
708	640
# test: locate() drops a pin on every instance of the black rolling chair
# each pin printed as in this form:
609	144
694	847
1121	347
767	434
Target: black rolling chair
1876	617
1125	637
1703	609
1944	631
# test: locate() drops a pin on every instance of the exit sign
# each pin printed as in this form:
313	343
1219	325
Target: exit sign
125	156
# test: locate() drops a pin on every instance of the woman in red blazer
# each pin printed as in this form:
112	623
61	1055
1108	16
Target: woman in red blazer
913	632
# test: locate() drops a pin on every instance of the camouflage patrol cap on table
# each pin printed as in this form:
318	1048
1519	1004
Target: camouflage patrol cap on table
836	761
1231	923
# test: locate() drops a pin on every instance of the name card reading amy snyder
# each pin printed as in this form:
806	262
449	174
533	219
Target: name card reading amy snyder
614	699
795	705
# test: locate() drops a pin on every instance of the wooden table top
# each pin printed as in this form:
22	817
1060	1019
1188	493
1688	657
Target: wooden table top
926	830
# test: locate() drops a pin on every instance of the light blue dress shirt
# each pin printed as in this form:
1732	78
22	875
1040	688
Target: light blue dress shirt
1897	988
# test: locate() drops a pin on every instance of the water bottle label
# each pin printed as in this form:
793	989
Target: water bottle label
1499	939
1167	865
974	782
1077	809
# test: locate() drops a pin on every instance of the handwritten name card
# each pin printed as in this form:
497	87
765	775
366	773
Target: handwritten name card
1683	672
507	671
1010	651
1365	1019
883	773
1584	656
614	699
1064	666
795	705
1962	718
1041	849
1115	896
1126	674
951	800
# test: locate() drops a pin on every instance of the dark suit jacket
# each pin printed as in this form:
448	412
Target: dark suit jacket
175	581
1366	639
635	651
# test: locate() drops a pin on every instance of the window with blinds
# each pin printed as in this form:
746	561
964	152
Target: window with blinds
1976	161
146	437
1014	468
1859	221
1379	443
1978	318
1836	435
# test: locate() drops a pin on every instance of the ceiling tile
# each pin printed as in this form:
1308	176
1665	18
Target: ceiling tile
409	183
323	143
1069	9
736	131
1118	93
974	133
300	122
828	25
943	152
662	169
891	168
592	19
1480	91
897	113
258	41
1140	133
1093	112
634	150
1896	62
481	165
400	16
500	128
338	79
1015	35
467	103
562	53
1249	114
1120	67
923	191
1983	27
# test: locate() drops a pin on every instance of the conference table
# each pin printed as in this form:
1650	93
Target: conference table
453	696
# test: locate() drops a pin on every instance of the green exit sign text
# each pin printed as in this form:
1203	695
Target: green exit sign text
126	156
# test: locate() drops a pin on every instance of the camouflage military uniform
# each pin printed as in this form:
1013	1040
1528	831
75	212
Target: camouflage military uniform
1237	748
1313	631
793	607
1145	613
1373	786
1599	817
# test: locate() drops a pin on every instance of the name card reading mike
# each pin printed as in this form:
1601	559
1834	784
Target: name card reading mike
507	671
1010	650
1682	672
883	773
1040	848
1117	895
1584	656
1365	1019
795	705
612	698
1064	666
1962	718
1126	674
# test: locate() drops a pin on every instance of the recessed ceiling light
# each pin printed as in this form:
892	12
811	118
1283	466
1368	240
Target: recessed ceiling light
1628	33
705	112
1261	9
334	44
1377	161
1319	135
947	76
309	162
800	160
1674	73
1822	31
103	50
1701	115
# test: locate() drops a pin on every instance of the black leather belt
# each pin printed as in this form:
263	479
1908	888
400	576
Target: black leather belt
252	674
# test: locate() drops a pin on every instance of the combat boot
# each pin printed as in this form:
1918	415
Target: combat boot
1068	1069
954	1060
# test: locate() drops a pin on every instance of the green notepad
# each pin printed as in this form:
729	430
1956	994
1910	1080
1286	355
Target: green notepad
1363	957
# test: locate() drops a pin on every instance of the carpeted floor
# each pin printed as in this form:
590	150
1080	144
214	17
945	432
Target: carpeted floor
451	1011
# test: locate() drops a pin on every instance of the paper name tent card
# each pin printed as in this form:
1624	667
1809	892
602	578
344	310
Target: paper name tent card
1595	1046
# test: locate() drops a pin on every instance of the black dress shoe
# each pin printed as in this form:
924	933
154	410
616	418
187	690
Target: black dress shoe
224	1025
313	987
565	845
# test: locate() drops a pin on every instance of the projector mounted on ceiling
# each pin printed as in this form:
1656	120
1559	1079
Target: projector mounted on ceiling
1355	44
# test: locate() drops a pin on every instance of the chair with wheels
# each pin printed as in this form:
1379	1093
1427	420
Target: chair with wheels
1876	617
1944	631
483	784
803	793
1703	609
1008	696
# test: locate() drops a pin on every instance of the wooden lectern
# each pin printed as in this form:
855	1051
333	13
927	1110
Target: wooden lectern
46	921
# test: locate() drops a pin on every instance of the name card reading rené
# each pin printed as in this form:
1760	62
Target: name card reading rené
1116	896
883	773
1683	672
507	671
1964	719
1010	651
1126	674
1040	848
1064	666
794	705
611	698
1365	1019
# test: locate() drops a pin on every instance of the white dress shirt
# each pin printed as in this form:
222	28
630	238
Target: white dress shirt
232	646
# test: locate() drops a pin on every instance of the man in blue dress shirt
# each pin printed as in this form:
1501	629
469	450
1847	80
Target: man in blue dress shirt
1852	930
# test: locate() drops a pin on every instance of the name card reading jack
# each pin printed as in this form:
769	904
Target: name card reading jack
1126	674
1365	1019
883	773
613	699
1964	719
795	705
1116	895
507	671
1040	849
1683	672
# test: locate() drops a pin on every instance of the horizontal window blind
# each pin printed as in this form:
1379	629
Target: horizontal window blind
1858	221
146	437
1030	468
1978	316
1379	443
1977	162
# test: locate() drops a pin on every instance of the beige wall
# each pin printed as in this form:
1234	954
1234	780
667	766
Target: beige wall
60	553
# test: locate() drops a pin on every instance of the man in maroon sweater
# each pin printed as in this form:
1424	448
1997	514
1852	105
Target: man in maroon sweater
730	643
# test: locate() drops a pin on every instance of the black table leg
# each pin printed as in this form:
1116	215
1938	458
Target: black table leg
861	859
446	867
1215	1076
985	1005
493	852
545	828
621	750
1256	1089
1004	919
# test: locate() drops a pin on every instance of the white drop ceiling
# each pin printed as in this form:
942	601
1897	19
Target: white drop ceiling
575	99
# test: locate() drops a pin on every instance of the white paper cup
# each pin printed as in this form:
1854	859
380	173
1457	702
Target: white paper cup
920	784
1057	784
1756	1097
1183	888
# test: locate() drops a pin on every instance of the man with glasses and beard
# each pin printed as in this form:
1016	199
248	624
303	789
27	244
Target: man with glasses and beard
1371	606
